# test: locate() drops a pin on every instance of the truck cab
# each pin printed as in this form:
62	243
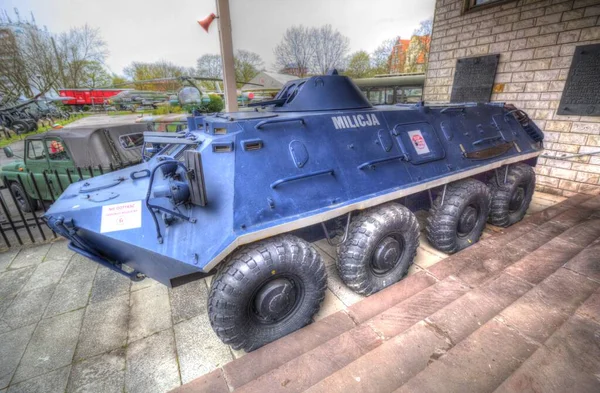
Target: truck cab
53	160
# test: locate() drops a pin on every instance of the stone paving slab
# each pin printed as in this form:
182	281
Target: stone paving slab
102	373
108	285
51	347
28	307
104	327
30	256
71	325
200	350
7	257
13	346
47	273
52	382
150	312
73	291
152	364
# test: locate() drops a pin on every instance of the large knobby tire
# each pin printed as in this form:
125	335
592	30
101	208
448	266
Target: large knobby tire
24	202
460	220
381	245
511	198
20	127
266	291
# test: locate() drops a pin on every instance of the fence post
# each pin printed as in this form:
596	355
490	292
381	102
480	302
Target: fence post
32	213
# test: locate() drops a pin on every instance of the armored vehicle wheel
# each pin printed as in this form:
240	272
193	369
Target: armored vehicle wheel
511	198
24	202
382	244
459	221
266	291
20	127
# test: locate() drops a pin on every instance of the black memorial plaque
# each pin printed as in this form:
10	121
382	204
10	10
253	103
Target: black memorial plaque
581	95
474	79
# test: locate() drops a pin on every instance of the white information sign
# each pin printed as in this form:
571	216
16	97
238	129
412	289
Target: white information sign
121	216
418	142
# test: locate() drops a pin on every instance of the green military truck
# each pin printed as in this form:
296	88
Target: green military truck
57	158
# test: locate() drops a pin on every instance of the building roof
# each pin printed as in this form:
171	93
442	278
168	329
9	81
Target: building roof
269	81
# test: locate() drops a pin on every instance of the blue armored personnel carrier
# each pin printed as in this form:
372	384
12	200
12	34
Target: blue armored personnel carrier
240	195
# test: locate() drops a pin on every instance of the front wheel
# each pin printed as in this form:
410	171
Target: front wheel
24	202
266	291
382	244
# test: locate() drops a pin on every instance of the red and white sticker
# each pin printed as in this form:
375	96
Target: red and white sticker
416	137
121	216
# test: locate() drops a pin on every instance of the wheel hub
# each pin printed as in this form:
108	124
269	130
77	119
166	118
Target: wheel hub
386	255
517	199
468	219
275	299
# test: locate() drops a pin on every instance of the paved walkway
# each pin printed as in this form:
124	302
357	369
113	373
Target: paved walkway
68	324
517	312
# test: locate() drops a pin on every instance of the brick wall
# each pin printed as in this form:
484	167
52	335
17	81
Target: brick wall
536	40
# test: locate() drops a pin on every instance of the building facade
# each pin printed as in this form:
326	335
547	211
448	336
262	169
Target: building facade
536	41
410	56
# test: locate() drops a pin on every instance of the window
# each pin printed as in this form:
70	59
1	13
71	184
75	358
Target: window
471	5
131	141
35	150
381	96
56	150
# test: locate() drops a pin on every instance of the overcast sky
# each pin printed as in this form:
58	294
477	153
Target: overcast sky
149	30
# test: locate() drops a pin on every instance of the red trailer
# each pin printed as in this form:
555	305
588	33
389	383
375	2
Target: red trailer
88	96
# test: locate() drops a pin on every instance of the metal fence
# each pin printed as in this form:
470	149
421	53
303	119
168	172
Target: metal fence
18	228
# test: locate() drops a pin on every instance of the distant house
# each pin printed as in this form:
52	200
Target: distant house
271	82
410	55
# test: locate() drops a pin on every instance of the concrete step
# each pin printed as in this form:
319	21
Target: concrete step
429	339
487	357
366	347
569	361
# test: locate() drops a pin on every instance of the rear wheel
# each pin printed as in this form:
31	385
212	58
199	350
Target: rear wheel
459	221
382	244
20	127
24	202
266	291
512	192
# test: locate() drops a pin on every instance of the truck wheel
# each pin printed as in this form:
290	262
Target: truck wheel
266	291
20	127
24	202
382	244
459	222
511	199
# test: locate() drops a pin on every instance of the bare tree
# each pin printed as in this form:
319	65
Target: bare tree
247	65
380	58
138	72
295	50
330	49
76	48
34	60
209	66
28	65
14	78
